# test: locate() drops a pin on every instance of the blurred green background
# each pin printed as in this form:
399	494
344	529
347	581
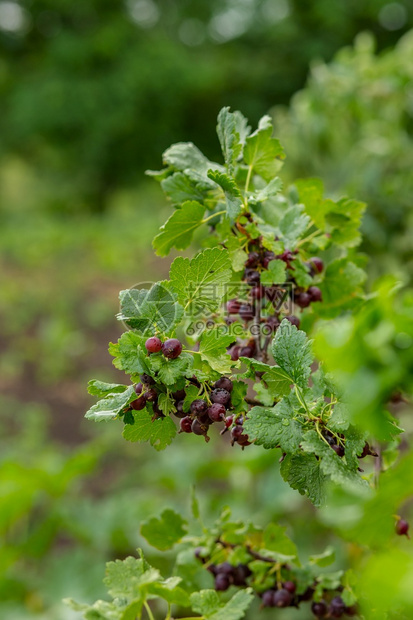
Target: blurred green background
91	93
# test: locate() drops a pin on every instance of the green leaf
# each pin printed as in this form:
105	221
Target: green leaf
208	604
200	282
274	428
170	592
276	540
180	188
166	531
292	225
303	473
262	151
129	353
111	406
186	157
275	274
229	137
177	232
292	352
310	192
341	288
343	221
125	578
271	189
170	371
102	389
231	191
324	559
159	432
150	311
213	349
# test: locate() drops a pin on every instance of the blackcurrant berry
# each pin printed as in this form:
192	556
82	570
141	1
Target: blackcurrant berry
228	421
293	320
257	292
319	609
303	300
147	379
252	276
246	352
233	306
246	312
235	353
282	598
315	293
199	406
150	395
153	345
337	607
139	403
224	383
198	428
290	586
268	257
268	598
180	413
221	396
179	395
225	568
186	425
402	528
222	582
351	611
317	263
241	574
252	260
138	388
339	450
236	432
198	553
172	348
216	412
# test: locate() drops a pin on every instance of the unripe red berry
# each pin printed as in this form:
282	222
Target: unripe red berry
172	348
139	403
153	345
402	528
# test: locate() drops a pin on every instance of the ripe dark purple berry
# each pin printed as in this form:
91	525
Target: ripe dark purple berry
180	413
319	609
339	450
186	425
228	421
147	379
199	406
224	383
246	352
246	312
236	432
315	293
293	320
252	276
241	574
351	611
222	582
150	395
402	528
225	568
317	264
220	396
198	428
172	348
235	353
268	257
257	292
303	300
282	598
216	412
252	260
268	598
153	345
179	395
233	306
138	388
139	403
290	586
337	607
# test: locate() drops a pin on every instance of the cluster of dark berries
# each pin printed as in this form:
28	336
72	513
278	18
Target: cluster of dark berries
226	575
402	528
334	609
171	348
237	431
203	413
147	391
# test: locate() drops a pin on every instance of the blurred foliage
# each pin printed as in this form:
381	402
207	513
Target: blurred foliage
83	85
353	124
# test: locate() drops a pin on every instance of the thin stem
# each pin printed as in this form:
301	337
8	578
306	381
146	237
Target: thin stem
204	221
306	239
168	615
247	182
148	611
377	467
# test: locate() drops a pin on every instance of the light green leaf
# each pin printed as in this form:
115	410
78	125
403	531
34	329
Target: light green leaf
229	137
212	349
292	225
341	288
159	432
129	353
186	157
125	578
276	540
323	559
310	193
292	352
303	473
166	531
200	282
208	604
180	188
102	389
275	427
262	151
343	221
111	406
271	189
275	274
170	371
178	230
231	191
